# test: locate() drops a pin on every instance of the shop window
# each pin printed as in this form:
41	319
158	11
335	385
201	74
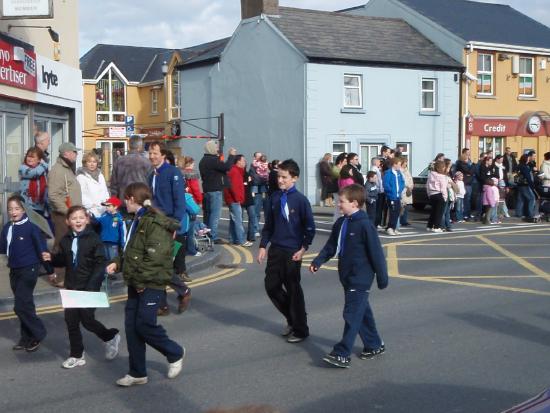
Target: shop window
366	153
429	93
338	148
405	149
353	91
495	146
175	95
526	77
484	74
154	101
110	99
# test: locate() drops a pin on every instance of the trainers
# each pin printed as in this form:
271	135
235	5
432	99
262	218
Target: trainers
390	231
397	232
128	381
247	244
286	331
185	278
368	354
174	369
73	362
184	301
162	311
429	229
32	346
338	361
256	234
21	345
294	339
111	347
197	254
437	230
379	227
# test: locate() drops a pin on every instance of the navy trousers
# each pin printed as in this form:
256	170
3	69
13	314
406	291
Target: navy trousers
359	319
142	328
22	282
282	284
85	316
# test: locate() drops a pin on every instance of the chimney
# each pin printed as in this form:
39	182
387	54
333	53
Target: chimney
253	8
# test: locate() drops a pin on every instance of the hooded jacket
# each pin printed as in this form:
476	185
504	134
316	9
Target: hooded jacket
213	172
362	258
147	260
62	184
235	193
545	169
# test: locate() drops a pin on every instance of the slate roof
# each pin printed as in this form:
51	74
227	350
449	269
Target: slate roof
335	37
207	52
484	22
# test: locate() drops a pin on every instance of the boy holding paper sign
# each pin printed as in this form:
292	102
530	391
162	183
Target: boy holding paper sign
83	255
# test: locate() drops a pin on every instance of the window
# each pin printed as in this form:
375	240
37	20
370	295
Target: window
110	99
526	77
353	91
485	74
154	101
338	148
493	145
405	149
429	94
175	94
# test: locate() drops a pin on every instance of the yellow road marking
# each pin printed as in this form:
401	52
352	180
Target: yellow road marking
468	258
477	285
472	245
234	254
481	277
533	268
249	259
392	261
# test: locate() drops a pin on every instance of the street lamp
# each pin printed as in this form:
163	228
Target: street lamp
53	34
164	69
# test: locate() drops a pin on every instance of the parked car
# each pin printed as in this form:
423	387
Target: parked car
419	193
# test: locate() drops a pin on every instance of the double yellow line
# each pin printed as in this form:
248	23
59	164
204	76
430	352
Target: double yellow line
209	279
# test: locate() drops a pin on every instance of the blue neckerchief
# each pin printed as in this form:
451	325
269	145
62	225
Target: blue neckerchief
134	225
24	219
284	198
74	247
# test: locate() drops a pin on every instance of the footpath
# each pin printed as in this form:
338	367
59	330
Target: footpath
47	295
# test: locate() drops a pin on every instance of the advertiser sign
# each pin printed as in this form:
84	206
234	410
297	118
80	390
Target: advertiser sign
27	9
17	66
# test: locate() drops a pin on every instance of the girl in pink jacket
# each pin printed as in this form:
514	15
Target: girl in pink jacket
490	199
437	193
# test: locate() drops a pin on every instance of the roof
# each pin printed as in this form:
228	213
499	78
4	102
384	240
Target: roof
336	37
484	22
204	53
132	61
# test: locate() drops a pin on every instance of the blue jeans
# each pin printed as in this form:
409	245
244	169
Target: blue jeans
253	226
359	319
404	219
394	209
526	198
236	229
467	201
142	328
191	247
258	206
459	209
213	211
446	219
22	283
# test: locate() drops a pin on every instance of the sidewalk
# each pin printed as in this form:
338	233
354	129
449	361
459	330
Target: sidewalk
46	295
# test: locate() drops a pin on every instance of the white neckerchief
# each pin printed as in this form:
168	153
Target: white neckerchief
74	247
340	237
396	181
10	233
128	234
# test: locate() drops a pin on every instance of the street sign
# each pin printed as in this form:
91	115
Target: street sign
130	125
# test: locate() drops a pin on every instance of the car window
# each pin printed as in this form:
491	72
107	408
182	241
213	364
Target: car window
424	172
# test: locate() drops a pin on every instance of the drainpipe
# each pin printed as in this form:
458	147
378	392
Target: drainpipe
466	99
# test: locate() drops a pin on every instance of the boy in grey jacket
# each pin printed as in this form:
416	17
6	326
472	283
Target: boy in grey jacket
372	190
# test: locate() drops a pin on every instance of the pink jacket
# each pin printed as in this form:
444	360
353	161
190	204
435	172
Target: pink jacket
490	195
437	184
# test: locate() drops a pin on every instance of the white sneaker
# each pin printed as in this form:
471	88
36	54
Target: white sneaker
286	331
247	244
73	362
174	369
390	231
379	227
111	347
197	254
429	229
128	381
438	230
257	234
397	232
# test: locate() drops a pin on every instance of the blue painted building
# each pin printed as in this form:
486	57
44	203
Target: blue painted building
301	83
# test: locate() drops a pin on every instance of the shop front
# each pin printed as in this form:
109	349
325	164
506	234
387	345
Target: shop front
530	131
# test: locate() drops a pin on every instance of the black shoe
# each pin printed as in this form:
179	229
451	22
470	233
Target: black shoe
294	339
184	301
220	241
338	361
368	354
21	345
32	346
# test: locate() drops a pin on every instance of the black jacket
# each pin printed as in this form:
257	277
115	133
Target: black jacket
514	164
468	171
89	271
213	171
486	172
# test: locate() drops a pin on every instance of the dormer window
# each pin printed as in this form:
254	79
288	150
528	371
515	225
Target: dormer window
110	99
175	95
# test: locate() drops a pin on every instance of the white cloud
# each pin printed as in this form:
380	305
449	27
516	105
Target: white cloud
176	24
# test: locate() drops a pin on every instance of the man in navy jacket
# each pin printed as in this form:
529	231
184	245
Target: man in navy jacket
360	259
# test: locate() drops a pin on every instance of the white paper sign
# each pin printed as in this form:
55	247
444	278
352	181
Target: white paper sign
27	8
83	299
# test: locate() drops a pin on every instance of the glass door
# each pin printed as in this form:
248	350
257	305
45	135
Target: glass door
58	132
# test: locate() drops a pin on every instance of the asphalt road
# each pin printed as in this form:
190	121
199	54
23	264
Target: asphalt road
465	321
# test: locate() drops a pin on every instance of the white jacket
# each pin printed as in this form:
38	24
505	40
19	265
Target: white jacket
93	193
545	169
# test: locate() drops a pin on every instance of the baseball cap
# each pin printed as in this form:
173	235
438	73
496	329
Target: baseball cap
112	201
68	147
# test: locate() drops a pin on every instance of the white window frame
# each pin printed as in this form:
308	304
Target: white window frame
530	75
175	101
359	88
154	101
109	95
482	71
347	146
433	91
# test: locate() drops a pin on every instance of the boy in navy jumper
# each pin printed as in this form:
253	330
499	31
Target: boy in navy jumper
360	258
290	229
113	230
24	245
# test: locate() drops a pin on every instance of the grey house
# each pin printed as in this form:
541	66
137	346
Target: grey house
296	83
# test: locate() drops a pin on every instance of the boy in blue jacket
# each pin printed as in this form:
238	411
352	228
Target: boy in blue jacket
113	230
290	229
394	184
360	258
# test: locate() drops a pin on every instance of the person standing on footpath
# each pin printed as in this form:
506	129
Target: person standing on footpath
42	141
213	174
354	239
394	184
168	189
147	271
468	170
234	196
132	167
290	228
93	185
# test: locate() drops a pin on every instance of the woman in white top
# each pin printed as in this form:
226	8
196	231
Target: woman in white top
93	185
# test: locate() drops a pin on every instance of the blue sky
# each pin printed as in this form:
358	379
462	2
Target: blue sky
178	24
